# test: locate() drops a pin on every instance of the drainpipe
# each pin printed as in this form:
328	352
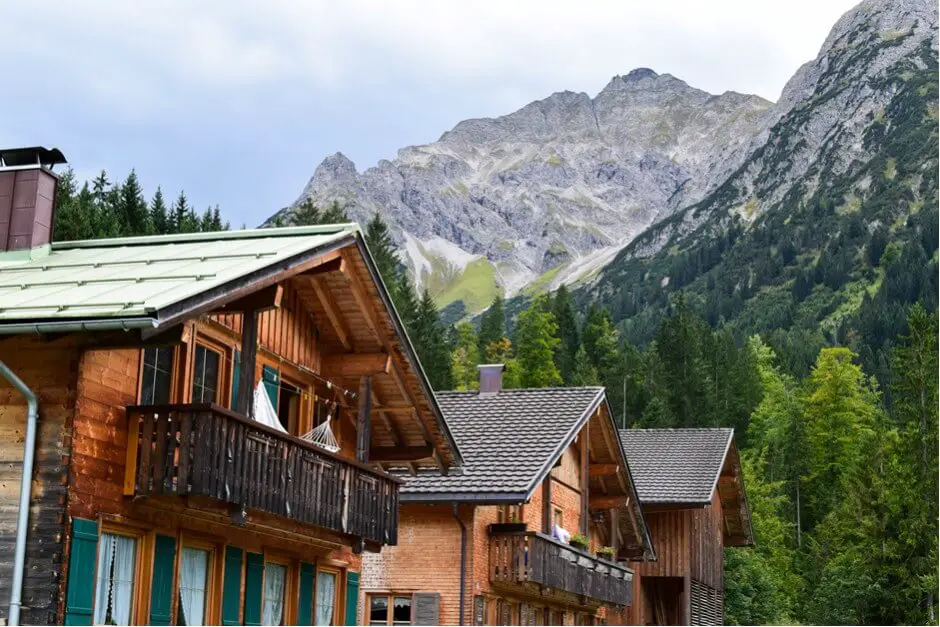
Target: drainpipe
463	563
22	521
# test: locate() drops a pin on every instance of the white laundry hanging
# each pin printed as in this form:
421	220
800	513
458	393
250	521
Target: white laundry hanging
263	411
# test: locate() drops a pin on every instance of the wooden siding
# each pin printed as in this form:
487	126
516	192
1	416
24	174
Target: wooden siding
707	545
48	368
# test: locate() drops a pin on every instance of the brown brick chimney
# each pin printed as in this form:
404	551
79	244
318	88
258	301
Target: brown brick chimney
27	197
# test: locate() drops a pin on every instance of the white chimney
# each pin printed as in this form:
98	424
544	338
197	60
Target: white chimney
491	378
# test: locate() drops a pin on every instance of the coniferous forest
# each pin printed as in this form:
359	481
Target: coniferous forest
837	429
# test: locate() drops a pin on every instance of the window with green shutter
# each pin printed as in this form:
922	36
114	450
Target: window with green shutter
236	372
232	586
352	598
254	576
271	384
305	595
83	556
161	591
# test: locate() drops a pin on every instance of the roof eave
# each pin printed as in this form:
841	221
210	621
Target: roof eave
477	498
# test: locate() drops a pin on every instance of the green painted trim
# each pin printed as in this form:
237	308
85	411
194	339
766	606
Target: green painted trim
161	590
305	594
352	598
254	577
83	558
232	586
289	231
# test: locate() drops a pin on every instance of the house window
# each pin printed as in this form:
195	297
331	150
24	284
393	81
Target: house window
558	517
117	571
389	609
325	605
206	375
275	578
156	377
509	513
288	406
194	573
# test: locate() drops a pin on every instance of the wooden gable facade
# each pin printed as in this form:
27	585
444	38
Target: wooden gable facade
157	500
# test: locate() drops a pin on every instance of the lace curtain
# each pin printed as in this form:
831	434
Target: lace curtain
274	577
326	598
194	572
114	593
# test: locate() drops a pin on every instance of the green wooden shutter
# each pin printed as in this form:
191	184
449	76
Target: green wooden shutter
236	371
352	598
83	557
232	586
305	602
161	591
254	576
271	384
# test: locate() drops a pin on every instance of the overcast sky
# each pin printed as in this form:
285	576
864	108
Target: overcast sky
237	102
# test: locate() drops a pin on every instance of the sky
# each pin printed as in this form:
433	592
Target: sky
238	102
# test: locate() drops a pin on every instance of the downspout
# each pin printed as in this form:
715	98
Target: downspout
29	452
463	563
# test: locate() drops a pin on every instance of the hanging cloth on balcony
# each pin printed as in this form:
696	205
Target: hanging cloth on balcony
264	411
322	435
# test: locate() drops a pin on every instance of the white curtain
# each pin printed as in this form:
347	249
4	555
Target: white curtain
274	578
263	411
103	586
125	554
194	570
326	598
115	586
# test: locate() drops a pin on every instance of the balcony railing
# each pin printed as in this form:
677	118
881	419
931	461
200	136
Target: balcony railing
206	450
527	557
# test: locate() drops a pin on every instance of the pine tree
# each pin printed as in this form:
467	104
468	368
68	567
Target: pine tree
306	214
158	213
536	341
179	214
133	213
563	308
583	372
334	214
492	325
466	356
430	343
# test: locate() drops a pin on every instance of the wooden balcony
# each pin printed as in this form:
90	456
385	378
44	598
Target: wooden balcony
526	557
207	450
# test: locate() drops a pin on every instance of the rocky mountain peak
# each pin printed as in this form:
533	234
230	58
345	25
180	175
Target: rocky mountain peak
336	167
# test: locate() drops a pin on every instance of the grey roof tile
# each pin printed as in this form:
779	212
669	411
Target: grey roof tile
506	439
675	465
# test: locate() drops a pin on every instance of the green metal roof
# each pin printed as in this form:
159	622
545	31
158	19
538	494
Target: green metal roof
138	276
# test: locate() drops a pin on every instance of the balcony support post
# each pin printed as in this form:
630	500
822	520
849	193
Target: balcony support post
585	480
364	420
246	374
547	505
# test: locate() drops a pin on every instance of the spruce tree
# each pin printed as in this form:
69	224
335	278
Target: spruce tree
306	214
158	213
132	208
431	345
536	341
492	325
466	356
563	308
583	372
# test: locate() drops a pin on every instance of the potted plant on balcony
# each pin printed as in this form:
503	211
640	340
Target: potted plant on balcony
515	525
606	552
579	541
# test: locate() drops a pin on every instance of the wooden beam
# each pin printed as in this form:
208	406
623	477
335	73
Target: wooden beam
326	303
262	300
394	409
249	353
614	447
333	265
355	364
603	470
614	514
633	523
585	478
547	505
364	420
400	453
608	502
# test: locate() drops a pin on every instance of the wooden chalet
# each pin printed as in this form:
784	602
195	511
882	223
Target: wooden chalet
156	496
692	492
482	544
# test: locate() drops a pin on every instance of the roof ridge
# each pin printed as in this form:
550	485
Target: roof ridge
503	391
209	236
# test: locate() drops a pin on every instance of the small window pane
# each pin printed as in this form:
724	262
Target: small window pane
155	383
114	589
401	614
378	610
194	579
205	375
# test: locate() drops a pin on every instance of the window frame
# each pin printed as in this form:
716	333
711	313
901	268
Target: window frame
174	368
338	610
291	584
224	366
143	565
214	575
390	600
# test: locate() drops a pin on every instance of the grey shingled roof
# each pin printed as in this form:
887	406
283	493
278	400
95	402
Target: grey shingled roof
675	465
508	440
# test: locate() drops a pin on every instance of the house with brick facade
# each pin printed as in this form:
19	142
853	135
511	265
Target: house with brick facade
203	421
494	542
692	492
